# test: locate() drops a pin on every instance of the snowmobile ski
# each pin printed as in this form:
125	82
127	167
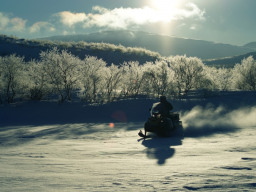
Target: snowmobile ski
143	135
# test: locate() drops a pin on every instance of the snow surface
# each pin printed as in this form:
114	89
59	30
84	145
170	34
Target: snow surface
47	146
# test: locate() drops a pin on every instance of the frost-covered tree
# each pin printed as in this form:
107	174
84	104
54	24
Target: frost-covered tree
112	78
92	72
1	80
244	74
188	72
131	80
156	77
38	81
61	68
62	73
12	77
217	78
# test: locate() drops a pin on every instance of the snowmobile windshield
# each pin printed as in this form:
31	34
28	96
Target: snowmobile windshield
155	109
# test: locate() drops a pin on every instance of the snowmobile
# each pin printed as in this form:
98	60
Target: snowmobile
162	126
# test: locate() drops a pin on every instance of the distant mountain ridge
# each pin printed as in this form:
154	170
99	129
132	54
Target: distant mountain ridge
251	45
228	62
165	45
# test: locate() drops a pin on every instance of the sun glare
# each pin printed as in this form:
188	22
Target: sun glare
165	5
165	10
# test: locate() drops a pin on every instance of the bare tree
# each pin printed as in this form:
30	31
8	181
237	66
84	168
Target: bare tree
61	68
244	74
131	78
1	80
12	68
91	82
38	82
157	78
217	79
112	79
188	72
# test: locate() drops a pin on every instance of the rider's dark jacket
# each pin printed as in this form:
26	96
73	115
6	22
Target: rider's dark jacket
163	108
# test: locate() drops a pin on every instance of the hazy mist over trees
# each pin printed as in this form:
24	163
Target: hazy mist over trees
58	74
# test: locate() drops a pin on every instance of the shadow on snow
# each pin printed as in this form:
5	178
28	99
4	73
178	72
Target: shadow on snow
161	148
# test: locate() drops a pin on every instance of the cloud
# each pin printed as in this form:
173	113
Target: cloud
17	24
38	26
11	24
67	22
192	11
122	18
4	20
118	18
125	17
193	27
70	19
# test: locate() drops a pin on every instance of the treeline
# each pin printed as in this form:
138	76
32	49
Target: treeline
60	74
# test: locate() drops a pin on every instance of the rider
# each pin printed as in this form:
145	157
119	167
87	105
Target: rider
165	107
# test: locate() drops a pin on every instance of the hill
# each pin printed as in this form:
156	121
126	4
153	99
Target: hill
165	45
116	54
251	45
228	62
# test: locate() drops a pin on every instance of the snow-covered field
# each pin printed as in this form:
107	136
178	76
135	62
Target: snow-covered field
71	147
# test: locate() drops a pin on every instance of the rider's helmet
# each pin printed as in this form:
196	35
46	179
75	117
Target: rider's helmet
162	98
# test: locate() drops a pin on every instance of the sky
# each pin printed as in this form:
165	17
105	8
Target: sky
221	21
